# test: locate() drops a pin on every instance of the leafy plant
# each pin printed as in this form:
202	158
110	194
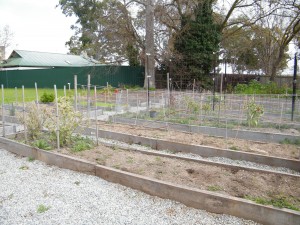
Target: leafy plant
42	144
46	97
254	112
80	144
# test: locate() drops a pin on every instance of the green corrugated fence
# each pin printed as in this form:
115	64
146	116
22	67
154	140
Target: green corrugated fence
46	78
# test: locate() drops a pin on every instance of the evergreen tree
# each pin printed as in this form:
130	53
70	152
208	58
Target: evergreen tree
198	43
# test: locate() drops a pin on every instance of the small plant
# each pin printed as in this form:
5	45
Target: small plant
254	112
80	144
42	208
77	182
42	144
47	98
233	148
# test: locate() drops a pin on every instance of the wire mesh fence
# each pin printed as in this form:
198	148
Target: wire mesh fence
97	103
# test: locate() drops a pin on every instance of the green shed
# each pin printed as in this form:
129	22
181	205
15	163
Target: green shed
46	69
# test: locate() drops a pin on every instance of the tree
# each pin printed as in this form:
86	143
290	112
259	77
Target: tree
6	36
198	42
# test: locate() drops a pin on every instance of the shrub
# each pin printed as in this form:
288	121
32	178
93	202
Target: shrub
69	120
254	112
34	119
46	98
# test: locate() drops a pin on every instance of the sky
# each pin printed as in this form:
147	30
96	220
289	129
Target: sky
37	25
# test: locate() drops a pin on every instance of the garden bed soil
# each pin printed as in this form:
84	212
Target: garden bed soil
270	149
233	182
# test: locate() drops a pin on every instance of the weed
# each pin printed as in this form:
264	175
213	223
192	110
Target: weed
157	159
129	160
214	188
117	166
277	201
31	159
77	182
42	208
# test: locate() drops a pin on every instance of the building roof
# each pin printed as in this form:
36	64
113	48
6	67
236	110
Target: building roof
21	58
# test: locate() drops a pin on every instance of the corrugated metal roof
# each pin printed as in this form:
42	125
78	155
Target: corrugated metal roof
44	59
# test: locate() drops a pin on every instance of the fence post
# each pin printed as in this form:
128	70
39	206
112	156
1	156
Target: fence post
57	118
96	120
3	117
23	99
75	90
88	98
16	95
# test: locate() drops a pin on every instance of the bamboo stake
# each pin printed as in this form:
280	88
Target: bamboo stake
57	118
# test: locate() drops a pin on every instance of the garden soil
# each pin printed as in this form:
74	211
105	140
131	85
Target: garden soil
233	182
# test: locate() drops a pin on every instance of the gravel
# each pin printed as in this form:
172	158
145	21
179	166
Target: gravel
211	159
33	193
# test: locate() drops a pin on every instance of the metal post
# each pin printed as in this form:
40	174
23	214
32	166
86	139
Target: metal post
148	94
96	120
75	90
88	97
16	95
214	90
294	86
3	119
57	118
168	84
23	99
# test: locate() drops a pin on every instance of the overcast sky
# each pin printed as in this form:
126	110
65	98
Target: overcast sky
37	25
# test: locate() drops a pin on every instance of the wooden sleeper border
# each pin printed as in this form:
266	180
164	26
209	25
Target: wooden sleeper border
211	202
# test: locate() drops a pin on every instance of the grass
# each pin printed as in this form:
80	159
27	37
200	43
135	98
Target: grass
214	188
31	159
290	142
11	95
42	208
277	201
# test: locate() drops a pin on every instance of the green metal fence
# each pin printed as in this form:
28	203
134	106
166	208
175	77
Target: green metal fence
46	78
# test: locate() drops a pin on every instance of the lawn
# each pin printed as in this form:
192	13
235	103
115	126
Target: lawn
12	95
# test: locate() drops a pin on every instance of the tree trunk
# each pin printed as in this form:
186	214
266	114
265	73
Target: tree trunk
149	58
276	63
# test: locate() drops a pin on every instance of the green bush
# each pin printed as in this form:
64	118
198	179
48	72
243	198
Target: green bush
255	87
46	98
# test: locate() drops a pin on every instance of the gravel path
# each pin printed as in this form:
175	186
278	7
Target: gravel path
34	193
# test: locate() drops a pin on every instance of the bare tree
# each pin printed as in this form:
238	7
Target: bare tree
6	36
